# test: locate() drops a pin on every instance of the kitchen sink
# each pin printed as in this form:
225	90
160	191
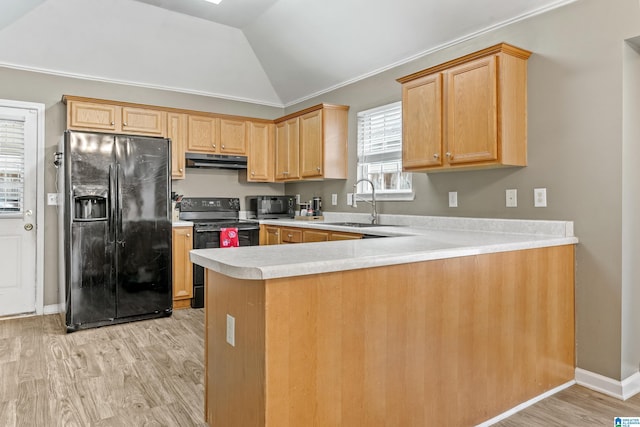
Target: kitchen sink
357	224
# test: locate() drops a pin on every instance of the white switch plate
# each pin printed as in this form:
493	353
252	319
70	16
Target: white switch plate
350	199
231	330
52	199
512	198
297	198
453	199
540	197
334	199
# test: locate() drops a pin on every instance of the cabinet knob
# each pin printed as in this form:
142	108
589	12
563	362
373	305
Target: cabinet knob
214	145
252	173
188	235
180	169
449	155
113	123
318	168
223	146
436	156
289	235
124	124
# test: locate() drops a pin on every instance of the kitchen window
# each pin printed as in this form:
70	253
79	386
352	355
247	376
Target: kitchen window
11	165
380	154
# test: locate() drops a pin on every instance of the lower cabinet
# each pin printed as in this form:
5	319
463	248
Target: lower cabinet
275	235
182	267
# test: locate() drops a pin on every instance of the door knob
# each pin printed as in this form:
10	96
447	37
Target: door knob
28	227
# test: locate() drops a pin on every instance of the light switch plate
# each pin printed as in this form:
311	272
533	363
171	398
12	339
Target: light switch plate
453	199
350	199
231	330
512	198
334	199
540	197
52	199
297	199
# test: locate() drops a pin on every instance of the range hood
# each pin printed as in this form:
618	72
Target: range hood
219	161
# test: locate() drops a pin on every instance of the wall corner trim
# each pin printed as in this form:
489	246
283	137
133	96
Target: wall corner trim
622	390
53	309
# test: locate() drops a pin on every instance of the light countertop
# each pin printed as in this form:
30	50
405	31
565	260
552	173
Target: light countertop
412	239
182	224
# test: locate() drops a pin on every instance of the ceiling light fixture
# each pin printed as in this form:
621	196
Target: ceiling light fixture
214	1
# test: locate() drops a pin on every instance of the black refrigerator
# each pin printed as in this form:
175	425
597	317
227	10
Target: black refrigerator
116	222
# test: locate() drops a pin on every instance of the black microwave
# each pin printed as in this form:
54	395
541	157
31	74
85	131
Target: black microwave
271	207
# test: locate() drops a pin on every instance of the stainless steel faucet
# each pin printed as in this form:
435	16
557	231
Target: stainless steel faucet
374	213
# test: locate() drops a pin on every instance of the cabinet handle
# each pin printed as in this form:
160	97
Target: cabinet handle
436	156
285	173
289	235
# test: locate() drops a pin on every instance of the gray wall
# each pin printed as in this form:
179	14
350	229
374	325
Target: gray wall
575	136
576	151
47	89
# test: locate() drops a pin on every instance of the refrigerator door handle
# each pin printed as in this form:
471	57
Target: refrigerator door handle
119	204
112	204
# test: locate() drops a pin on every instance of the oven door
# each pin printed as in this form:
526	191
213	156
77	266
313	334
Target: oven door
247	236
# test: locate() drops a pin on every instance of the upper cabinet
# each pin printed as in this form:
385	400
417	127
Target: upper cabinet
177	131
215	135
85	114
467	113
287	150
260	159
322	142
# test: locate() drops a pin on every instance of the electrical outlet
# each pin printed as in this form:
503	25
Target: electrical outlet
52	199
334	199
231	330
350	199
540	197
453	199
512	198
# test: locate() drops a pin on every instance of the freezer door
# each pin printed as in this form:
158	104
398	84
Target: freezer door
143	226
89	239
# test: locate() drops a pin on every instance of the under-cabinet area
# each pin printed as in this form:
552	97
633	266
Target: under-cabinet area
276	235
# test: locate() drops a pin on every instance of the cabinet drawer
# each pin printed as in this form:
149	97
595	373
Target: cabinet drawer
290	235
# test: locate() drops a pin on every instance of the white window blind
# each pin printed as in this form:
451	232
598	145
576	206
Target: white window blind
380	151
12	134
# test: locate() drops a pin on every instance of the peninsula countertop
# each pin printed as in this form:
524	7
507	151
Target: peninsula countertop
409	239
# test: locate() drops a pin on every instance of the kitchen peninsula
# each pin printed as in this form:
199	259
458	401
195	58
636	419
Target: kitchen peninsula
451	321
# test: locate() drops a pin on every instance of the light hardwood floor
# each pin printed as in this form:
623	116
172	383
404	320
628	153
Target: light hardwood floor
144	373
151	373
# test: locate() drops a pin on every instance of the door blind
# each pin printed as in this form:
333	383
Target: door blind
12	135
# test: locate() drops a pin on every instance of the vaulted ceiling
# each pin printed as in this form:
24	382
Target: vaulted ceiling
272	52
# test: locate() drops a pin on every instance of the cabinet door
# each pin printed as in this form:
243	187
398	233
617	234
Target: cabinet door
422	123
182	266
203	134
472	112
311	159
90	116
142	121
233	137
315	236
177	131
272	235
287	150
260	164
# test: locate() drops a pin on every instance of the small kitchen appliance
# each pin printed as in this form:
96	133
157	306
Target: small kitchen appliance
209	215
271	207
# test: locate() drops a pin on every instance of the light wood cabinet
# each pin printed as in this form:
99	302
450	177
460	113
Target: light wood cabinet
322	140
269	235
233	137
182	267
290	235
260	159
287	153
95	116
467	113
315	236
335	235
177	131
203	134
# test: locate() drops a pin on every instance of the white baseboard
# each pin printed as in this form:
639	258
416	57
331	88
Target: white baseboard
53	309
619	389
526	404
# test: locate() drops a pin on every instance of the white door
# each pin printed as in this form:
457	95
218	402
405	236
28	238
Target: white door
18	162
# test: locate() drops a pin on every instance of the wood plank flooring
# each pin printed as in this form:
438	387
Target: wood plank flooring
147	373
151	373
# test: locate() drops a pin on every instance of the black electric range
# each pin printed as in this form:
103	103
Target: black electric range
209	215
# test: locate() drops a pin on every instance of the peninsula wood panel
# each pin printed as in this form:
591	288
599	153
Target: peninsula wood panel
444	342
